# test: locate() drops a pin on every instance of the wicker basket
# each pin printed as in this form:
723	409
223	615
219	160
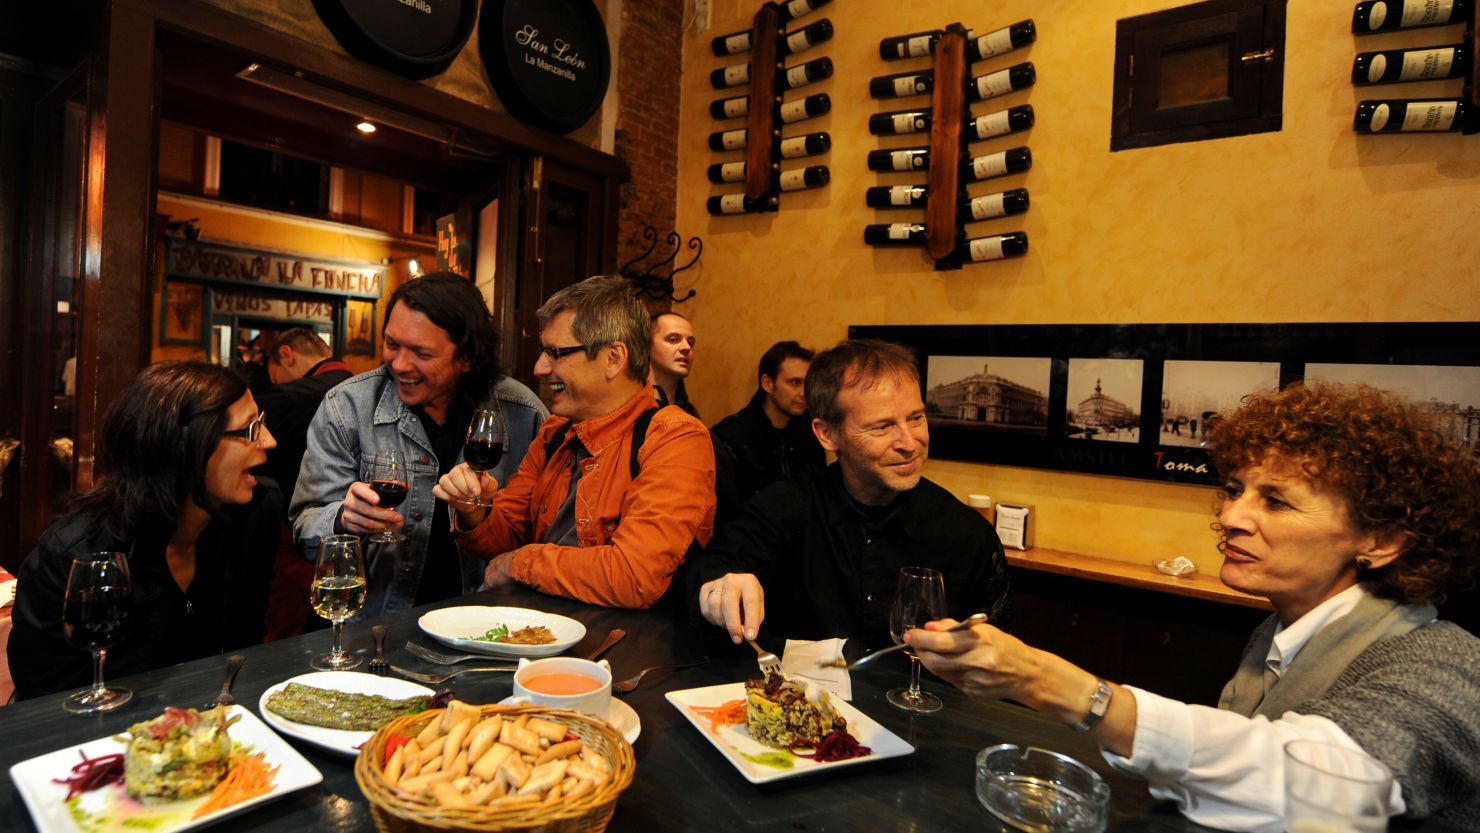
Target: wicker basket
396	812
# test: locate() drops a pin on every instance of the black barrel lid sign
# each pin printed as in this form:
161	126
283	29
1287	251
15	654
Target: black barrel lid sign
549	60
414	38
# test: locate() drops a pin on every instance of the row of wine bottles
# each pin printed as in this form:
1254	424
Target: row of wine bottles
917	120
789	43
812	176
990	166
977	249
738	42
1423	63
808	144
1389	15
981	88
791	77
987	207
1417	116
978	48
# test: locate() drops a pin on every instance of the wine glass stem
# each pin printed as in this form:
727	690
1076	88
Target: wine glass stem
338	629
914	677
99	655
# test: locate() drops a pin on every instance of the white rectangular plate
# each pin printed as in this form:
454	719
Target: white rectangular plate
735	743
115	811
343	741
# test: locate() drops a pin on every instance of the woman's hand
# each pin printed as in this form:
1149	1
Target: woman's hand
984	662
462	485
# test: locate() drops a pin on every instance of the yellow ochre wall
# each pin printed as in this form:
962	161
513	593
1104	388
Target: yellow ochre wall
1311	223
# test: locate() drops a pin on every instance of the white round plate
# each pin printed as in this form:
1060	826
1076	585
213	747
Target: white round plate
622	717
459	627
342	741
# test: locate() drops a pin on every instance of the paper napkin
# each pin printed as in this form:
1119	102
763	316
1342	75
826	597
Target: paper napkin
801	661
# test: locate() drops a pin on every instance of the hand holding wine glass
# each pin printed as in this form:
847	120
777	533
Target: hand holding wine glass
94	610
919	597
388	477
338	592
484	448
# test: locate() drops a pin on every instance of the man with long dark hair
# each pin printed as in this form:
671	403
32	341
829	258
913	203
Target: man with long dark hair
439	348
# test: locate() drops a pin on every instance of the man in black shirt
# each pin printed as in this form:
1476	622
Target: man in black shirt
303	369
820	557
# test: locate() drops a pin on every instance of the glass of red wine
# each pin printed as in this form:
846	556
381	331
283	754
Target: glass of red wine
387	475
94	611
919	597
485	446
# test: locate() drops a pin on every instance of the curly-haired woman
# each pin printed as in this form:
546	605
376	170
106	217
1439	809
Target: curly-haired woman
1353	515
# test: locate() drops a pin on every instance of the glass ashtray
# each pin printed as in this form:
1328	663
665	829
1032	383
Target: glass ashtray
1038	791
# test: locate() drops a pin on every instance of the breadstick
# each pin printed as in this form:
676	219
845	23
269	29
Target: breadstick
487	765
553	796
430	733
394	765
548	729
483	736
559	750
430	752
447	795
454	742
483	793
422	782
521	739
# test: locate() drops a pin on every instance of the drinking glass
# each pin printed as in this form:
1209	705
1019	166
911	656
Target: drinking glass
94	610
919	597
387	475
338	593
1334	789
485	446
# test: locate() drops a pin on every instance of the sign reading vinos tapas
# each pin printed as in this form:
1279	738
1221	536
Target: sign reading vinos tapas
415	38
549	60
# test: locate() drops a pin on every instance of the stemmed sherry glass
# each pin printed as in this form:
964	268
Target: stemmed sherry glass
919	597
94	610
485	446
387	475
338	593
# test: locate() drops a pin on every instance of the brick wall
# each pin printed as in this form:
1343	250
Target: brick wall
649	63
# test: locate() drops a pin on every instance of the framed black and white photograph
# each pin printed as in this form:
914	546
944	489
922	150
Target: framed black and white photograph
1195	393
1452	392
1103	401
993	393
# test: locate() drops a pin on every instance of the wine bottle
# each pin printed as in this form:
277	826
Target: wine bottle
812	176
722	140
996	247
1002	163
1003	122
1001	82
735	204
917	45
1000	204
809	145
732	76
797	8
896	196
1408	116
901	85
898	122
805	108
730	108
1006	39
1421	63
899	159
727	172
731	44
894	234
809	73
1386	15
806	37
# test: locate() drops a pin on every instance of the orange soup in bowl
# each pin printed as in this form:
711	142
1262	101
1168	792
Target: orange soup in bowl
560	683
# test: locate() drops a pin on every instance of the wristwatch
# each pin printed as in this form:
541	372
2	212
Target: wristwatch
1098	703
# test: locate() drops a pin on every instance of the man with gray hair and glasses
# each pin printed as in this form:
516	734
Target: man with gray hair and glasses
614	490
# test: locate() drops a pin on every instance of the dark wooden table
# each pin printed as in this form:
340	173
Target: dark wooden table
682	782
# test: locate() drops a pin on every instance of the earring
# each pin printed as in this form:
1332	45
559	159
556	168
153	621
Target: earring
1364	563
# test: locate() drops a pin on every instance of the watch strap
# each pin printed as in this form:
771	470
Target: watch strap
1099	702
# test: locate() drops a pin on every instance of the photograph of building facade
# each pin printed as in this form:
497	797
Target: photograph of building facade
987	398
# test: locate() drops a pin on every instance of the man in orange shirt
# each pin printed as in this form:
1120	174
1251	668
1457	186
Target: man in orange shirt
614	490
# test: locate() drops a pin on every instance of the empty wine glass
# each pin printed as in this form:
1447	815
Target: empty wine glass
919	597
387	475
485	446
338	593
94	610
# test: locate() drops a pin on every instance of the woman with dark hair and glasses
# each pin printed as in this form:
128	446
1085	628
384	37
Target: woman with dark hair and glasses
175	493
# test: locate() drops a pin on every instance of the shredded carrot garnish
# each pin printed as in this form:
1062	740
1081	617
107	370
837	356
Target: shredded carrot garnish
248	777
724	714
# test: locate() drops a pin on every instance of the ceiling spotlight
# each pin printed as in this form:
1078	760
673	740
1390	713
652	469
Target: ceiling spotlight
365	127
414	266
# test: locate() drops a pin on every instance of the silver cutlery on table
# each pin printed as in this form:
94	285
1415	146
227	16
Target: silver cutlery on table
378	665
234	664
624	686
973	619
440	658
769	662
436	679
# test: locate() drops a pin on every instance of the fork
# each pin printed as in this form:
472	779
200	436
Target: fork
769	662
378	665
624	686
224	698
437	679
438	657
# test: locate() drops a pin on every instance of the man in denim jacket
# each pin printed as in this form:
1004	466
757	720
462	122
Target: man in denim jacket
439	346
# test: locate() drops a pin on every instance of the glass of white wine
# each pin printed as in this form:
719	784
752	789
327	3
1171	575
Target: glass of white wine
919	597
338	593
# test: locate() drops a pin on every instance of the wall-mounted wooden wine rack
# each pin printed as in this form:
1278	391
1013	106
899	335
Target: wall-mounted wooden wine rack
766	109
1427	63
948	159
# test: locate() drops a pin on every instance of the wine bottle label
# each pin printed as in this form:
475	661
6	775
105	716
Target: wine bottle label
732	172
916	47
794	111
737	74
906	160
1427	115
909	85
994	84
904	194
985	248
797	8
1377	68
1426	63
735	44
993	124
796	76
732	139
908	122
737	107
1425	12
792	148
994	43
989	166
992	205
794	180
732	204
797	41
900	231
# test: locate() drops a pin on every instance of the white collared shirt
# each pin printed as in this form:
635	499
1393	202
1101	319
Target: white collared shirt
1223	769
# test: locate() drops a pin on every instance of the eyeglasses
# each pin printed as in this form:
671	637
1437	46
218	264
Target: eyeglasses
251	432
558	353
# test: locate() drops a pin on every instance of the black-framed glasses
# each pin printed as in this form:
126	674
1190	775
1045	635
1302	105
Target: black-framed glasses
251	432
558	353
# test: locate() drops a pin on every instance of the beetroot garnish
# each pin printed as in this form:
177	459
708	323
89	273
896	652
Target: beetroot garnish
838	745
93	773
